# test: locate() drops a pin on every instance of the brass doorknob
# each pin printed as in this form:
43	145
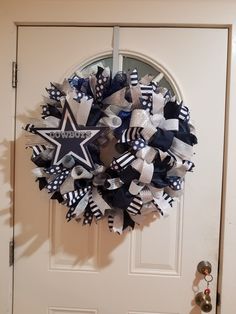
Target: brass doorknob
204	267
204	301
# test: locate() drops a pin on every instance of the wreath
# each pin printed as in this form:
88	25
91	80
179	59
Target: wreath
137	126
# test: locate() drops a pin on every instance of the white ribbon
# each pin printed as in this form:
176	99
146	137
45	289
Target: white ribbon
181	149
80	208
169	124
65	87
80	172
146	79
115	183
112	120
84	107
51	122
156	119
47	154
80	109
135	187
67	186
163	205
158	102
145	169
146	195
147	153
140	118
117	99
39	172
118	221
49	101
100	202
136	94
156	192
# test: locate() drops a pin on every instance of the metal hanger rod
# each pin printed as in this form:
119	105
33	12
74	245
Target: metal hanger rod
116	43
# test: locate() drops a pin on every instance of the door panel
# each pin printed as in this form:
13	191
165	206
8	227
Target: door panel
66	268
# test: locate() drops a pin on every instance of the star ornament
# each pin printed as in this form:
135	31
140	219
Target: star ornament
71	138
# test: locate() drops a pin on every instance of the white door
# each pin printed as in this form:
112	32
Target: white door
64	268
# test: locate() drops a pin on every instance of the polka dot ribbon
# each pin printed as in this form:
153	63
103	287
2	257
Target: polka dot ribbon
175	183
60	175
146	104
138	144
100	86
50	110
54	92
88	216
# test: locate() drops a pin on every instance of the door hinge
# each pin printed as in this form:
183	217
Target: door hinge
14	75
11	253
218	299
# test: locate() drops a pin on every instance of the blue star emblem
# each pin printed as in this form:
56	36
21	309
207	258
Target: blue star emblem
71	138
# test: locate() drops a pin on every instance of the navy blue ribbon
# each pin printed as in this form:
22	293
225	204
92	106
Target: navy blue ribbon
50	110
162	139
54	93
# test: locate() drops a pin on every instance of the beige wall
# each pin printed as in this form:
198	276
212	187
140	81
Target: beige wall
148	12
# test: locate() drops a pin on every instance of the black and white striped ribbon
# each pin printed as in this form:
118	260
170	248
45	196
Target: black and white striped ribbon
94	208
38	149
110	220
189	165
168	198
74	196
30	128
146	90
116	221
76	211
154	85
134	77
130	134
135	205
184	113
172	155
164	203
123	161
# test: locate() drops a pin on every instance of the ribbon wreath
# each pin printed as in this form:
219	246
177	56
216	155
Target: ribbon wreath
152	134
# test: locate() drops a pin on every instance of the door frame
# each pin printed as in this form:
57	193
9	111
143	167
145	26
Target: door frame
17	16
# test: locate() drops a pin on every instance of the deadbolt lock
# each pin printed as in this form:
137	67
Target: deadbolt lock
204	267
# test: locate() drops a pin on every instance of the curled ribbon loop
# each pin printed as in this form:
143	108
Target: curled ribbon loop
145	169
80	172
135	187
